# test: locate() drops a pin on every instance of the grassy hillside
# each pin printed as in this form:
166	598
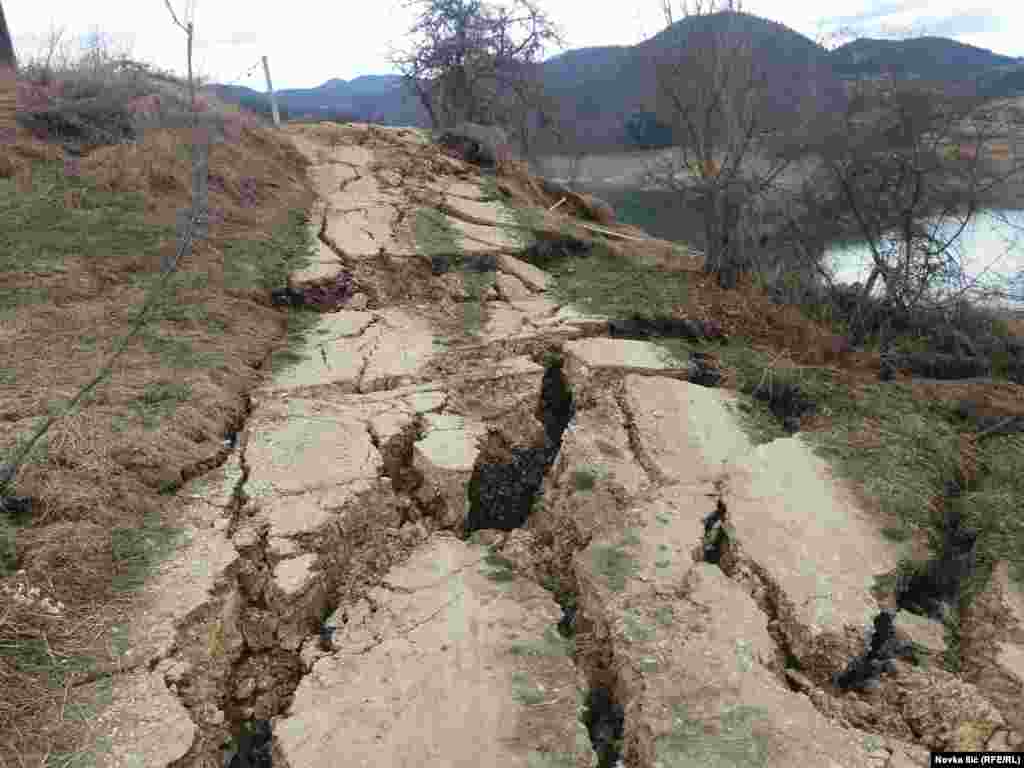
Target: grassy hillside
82	240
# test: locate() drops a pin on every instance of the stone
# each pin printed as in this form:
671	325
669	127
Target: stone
626	354
479	144
147	724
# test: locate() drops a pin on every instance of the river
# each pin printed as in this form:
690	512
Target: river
991	247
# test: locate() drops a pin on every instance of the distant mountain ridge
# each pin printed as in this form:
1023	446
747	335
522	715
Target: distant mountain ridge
933	58
599	88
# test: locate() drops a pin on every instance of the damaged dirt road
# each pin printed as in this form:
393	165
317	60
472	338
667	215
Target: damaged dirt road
519	543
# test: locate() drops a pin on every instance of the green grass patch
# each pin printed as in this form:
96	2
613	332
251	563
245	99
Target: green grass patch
607	285
551	644
167	296
635	630
434	233
729	743
301	322
915	454
993	506
472	309
263	264
88	343
189	314
552	358
286	358
614	563
9	526
524	691
535	759
158	400
34	656
178	353
497	568
523	220
38	232
630	538
898	534
13	298
663	557
137	550
85	759
585	479
951	657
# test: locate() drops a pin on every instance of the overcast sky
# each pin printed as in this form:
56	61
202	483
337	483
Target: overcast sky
311	41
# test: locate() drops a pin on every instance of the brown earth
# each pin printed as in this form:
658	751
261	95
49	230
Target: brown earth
344	503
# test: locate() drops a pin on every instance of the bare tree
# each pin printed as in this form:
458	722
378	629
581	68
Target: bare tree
714	94
906	170
53	56
470	61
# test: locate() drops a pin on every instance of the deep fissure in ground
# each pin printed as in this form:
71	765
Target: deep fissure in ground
933	589
719	547
502	494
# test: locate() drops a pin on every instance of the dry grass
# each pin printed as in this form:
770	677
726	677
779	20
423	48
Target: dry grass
79	255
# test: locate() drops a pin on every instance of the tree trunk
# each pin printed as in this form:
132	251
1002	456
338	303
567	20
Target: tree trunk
858	323
724	253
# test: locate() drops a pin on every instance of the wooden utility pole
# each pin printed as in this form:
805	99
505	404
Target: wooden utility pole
270	92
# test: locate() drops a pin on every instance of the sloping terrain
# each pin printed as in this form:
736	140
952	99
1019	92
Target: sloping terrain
481	519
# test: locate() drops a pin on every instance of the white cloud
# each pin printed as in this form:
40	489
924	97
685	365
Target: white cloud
309	41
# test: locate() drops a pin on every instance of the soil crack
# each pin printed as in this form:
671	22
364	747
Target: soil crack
645	462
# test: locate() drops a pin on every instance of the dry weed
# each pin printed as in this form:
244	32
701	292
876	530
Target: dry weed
104	471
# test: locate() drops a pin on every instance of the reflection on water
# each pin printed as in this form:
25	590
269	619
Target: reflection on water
659	213
990	249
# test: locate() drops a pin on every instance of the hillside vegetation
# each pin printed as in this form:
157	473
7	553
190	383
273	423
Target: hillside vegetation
91	191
